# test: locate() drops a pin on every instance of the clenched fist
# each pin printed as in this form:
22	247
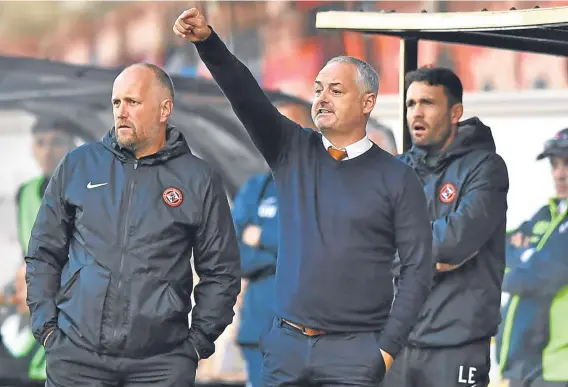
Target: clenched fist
191	25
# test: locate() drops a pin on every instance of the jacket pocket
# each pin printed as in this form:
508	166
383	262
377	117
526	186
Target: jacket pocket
81	301
158	313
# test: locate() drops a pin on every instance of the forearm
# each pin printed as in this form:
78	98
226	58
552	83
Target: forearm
265	125
542	275
43	276
48	252
217	263
413	289
458	236
414	243
254	260
215	297
269	239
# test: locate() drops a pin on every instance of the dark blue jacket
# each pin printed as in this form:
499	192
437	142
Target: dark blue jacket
109	263
466	186
256	204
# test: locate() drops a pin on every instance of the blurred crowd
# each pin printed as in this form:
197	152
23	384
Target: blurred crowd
273	38
277	40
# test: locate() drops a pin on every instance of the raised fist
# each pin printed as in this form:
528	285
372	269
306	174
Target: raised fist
191	25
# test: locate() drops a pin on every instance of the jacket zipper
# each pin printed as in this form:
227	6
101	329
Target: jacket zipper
124	241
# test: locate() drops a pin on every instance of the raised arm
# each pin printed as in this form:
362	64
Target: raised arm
47	254
270	131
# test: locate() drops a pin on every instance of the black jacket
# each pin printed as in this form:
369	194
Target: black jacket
466	187
110	252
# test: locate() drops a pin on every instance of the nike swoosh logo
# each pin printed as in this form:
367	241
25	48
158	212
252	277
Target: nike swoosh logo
90	186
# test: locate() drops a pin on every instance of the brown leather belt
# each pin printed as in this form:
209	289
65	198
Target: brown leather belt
305	330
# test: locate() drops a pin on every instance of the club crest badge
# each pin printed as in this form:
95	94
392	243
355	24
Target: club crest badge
448	193
172	197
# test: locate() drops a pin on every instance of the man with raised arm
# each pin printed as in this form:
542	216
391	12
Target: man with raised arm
346	207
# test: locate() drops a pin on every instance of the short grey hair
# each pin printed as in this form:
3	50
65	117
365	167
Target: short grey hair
367	77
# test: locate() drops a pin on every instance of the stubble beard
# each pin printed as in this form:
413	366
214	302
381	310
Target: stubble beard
130	143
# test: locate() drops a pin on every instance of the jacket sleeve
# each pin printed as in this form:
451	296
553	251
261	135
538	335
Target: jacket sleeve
413	238
269	237
513	256
48	253
483	205
254	260
270	131
543	274
217	263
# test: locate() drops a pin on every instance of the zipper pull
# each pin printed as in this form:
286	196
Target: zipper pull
136	164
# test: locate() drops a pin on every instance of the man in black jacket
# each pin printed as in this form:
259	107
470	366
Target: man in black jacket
109	262
466	183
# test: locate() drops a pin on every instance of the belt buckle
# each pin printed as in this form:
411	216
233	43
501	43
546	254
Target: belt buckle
312	332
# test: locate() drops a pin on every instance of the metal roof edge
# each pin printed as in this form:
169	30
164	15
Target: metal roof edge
442	21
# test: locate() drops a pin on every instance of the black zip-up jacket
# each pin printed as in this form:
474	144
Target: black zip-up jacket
466	187
109	258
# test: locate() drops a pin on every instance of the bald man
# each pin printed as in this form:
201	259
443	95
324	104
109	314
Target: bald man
108	265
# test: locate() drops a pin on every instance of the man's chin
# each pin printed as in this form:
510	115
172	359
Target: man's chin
323	128
421	142
561	193
126	143
324	124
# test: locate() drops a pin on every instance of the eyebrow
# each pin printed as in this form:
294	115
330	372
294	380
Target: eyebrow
423	99
128	99
331	84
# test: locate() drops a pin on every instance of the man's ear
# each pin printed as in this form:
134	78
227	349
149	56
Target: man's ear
166	110
369	100
456	113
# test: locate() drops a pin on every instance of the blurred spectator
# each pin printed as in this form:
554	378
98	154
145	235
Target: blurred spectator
22	358
532	344
52	139
298	113
383	137
255	213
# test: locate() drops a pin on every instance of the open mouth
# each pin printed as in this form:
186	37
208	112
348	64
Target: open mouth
323	111
418	128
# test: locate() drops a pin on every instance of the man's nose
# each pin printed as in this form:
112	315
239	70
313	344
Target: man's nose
560	174
121	111
322	98
418	111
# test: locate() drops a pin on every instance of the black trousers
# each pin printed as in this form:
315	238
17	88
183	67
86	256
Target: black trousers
463	366
339	359
70	366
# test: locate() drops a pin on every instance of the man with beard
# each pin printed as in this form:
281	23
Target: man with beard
466	184
109	262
